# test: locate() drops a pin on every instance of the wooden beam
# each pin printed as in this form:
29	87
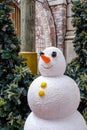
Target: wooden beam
28	25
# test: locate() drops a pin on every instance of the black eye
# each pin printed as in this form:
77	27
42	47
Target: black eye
41	53
54	54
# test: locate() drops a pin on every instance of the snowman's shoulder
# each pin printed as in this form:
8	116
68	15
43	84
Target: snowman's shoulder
37	80
69	79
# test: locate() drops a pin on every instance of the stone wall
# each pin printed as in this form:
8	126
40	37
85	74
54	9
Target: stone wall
69	50
59	14
45	28
53	26
50	24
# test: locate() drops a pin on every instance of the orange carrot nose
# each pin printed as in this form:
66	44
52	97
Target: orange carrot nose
46	59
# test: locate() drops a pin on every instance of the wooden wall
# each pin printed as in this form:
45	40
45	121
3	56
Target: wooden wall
15	16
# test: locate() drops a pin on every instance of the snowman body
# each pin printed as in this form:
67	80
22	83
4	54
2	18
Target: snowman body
58	102
54	97
73	122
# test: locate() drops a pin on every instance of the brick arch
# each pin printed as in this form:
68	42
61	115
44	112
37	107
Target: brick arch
45	28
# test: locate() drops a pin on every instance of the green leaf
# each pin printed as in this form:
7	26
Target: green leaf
2	102
6	54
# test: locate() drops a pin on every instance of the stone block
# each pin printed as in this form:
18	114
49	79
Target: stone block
69	11
69	24
68	1
69	35
69	51
56	2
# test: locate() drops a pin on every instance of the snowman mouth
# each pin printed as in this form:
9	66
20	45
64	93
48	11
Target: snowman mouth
47	67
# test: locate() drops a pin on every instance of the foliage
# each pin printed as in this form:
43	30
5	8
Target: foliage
77	69
15	77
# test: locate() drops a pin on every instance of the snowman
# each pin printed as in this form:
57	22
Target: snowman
53	97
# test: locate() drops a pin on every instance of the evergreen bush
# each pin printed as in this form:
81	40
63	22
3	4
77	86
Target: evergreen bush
77	69
15	77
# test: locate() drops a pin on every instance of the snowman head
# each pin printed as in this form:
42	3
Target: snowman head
52	62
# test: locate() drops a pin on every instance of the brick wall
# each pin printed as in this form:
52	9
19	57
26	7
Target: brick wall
59	13
53	26
45	28
50	24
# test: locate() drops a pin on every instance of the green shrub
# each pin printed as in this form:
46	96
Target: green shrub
77	69
15	77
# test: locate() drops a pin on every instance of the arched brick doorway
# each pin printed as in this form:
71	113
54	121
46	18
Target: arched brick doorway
45	27
53	26
50	23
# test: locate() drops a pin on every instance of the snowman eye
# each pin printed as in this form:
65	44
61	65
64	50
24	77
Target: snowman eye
54	54
41	53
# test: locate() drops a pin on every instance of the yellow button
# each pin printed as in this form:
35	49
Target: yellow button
41	92
43	84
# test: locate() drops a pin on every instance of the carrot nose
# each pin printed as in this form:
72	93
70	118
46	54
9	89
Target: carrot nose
46	59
